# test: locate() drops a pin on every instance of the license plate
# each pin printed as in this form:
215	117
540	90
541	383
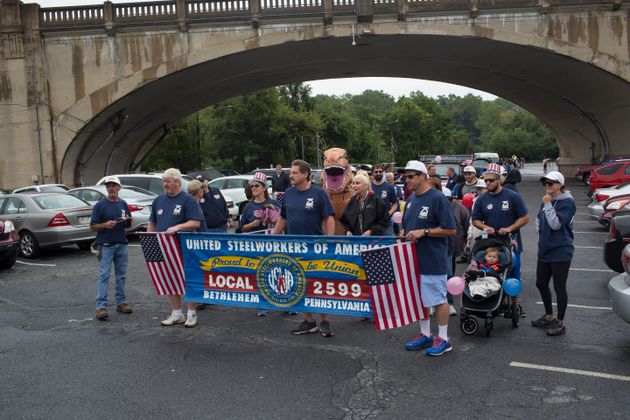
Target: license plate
84	220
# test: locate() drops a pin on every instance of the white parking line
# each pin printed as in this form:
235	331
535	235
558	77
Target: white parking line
591	233
37	264
585	221
603	308
571	371
596	270
134	245
587	247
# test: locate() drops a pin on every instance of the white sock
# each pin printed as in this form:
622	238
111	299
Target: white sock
192	313
177	313
425	327
443	331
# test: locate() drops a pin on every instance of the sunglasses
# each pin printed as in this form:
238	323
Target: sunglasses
255	185
549	183
490	180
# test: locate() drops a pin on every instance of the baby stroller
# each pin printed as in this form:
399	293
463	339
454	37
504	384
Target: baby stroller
495	303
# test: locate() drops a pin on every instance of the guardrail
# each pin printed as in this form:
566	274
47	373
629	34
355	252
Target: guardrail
183	13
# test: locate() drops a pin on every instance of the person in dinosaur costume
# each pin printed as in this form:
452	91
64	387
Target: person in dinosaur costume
336	182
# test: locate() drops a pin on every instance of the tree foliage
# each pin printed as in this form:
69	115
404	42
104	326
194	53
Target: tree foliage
280	124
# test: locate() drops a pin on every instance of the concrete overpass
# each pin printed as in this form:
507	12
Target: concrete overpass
90	90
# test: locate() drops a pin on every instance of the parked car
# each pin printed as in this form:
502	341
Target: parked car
48	219
583	173
611	206
596	208
153	182
618	238
610	175
41	188
619	288
234	187
138	200
9	244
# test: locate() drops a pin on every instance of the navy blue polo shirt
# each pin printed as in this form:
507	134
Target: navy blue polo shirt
305	210
500	210
214	209
105	210
168	211
385	191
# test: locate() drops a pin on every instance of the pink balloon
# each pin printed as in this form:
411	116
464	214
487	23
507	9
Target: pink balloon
397	217
455	285
438	159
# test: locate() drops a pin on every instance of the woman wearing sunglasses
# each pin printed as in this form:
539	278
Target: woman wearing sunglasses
555	250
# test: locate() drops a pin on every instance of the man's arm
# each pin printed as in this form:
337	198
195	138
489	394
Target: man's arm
187	226
279	227
436	232
97	227
329	225
151	227
519	223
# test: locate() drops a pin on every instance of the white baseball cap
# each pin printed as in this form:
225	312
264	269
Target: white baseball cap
481	183
554	176
416	166
446	191
469	169
112	178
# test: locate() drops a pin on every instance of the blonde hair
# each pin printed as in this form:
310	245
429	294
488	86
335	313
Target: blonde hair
173	174
193	186
363	177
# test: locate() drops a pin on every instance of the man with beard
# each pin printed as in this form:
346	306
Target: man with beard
501	212
387	192
470	186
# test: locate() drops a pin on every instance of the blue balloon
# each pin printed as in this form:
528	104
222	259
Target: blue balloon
513	259
512	287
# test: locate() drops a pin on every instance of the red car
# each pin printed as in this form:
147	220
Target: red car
610	175
611	206
9	240
583	173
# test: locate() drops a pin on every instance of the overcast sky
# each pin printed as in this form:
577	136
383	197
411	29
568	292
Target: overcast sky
396	87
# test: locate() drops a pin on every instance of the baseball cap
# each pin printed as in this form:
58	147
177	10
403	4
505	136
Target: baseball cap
446	191
481	183
554	176
112	178
172	173
200	178
469	169
494	168
416	166
260	177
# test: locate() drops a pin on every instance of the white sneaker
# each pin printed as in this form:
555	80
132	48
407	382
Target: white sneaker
172	320
452	311
191	321
432	311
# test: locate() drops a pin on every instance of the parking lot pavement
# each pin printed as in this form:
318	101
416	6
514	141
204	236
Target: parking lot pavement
58	361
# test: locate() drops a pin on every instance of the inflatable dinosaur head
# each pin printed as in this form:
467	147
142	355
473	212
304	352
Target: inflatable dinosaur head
337	174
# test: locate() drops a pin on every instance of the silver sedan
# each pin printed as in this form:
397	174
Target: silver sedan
138	199
48	219
619	288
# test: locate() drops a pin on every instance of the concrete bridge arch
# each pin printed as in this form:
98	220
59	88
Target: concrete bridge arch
130	83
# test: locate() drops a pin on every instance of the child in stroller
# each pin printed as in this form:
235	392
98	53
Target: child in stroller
483	296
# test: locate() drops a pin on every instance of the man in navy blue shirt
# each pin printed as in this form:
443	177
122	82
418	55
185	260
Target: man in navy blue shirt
214	208
387	192
306	210
110	216
428	221
172	212
501	212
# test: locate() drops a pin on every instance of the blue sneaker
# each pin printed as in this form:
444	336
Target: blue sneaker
262	312
440	346
420	342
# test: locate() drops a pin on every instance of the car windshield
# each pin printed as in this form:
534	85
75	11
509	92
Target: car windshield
442	168
53	188
58	202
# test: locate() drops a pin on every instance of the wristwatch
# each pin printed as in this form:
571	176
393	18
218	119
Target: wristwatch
427	231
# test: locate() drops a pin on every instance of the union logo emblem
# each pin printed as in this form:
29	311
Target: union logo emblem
281	280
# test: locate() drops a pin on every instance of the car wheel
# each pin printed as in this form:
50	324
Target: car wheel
84	245
9	261
587	179
29	247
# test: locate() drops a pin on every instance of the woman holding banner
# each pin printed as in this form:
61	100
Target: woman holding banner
261	212
365	214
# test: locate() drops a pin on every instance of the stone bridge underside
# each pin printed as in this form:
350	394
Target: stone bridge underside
571	69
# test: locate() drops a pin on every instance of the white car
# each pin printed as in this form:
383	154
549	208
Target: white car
41	188
596	208
234	186
153	182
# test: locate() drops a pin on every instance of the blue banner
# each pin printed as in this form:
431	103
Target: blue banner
319	274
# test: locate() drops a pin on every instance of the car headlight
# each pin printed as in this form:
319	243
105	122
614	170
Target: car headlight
8	226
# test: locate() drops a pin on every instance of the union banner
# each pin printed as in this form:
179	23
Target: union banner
320	274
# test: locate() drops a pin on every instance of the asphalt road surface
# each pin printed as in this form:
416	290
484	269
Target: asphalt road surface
58	361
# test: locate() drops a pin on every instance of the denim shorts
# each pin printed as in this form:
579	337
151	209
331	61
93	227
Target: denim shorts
433	289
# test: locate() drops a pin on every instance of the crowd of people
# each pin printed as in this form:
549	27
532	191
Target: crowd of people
442	221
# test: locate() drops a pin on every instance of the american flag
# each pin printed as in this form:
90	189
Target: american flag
394	285
164	259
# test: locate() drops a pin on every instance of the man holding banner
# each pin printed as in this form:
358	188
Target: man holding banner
306	210
172	212
428	221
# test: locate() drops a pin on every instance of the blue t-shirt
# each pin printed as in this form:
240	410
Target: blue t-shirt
500	210
429	210
168	211
106	210
214	209
387	192
305	210
248	214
